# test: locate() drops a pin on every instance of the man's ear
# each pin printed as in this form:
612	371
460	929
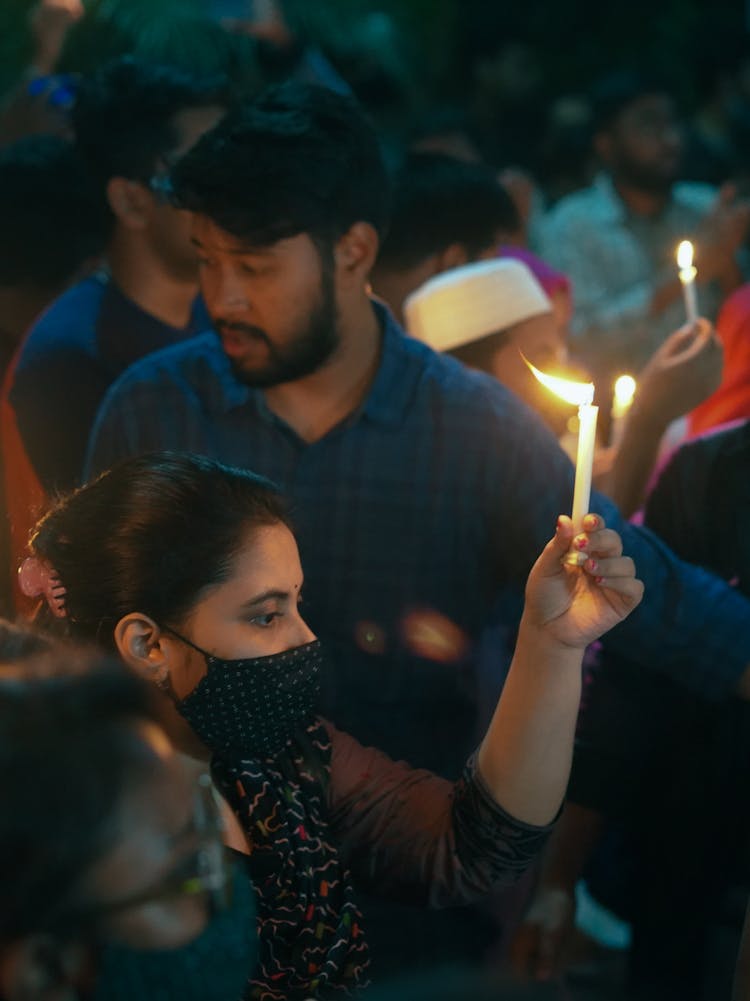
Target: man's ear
356	250
42	968
143	646
130	201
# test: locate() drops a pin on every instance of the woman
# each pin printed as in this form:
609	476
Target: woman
191	572
109	853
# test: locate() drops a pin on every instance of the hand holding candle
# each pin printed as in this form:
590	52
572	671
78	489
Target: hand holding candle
687	277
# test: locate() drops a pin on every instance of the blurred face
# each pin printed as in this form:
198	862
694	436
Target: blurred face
168	227
155	854
145	892
539	339
273	307
644	146
254	613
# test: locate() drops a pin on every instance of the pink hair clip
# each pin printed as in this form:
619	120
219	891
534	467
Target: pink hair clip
37	579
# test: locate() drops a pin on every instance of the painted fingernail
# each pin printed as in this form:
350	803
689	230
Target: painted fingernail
590	522
599	580
580	542
592	565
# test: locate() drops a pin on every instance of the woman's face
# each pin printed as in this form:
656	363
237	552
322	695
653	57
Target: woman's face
254	613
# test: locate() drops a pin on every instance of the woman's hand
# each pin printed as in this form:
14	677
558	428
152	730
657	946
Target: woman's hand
575	605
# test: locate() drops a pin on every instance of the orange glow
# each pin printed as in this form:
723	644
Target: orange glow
578	393
435	637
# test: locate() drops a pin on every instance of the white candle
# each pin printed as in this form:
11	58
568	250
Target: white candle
687	277
587	414
622	401
581	394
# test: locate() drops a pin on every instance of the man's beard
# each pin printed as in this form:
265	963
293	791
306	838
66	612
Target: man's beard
649	180
305	353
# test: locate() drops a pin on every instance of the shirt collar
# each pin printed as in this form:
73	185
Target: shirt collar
393	387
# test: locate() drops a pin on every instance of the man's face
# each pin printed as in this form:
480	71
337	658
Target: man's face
169	228
644	146
273	307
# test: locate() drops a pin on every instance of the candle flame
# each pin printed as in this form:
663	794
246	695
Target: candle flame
685	255
577	393
625	390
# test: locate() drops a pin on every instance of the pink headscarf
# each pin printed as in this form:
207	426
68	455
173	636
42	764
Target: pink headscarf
551	281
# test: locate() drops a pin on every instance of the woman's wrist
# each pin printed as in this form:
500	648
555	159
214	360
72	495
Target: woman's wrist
538	639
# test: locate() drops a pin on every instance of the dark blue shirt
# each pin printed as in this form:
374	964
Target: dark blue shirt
418	519
70	357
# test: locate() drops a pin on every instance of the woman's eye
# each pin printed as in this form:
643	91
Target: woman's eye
264	620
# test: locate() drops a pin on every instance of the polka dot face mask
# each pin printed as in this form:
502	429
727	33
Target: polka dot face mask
251	708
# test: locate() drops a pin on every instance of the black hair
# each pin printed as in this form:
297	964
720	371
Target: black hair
70	747
439	200
53	218
123	115
298	159
614	93
151	535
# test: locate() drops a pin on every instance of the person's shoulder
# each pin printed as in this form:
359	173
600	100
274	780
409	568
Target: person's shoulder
452	385
693	462
67	325
193	372
198	361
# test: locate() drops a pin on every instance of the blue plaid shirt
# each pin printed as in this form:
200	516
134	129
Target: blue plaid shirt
428	504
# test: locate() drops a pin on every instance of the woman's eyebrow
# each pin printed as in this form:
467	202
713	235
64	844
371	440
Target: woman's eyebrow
266	596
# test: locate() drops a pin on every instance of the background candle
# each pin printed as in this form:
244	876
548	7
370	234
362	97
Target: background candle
622	401
687	277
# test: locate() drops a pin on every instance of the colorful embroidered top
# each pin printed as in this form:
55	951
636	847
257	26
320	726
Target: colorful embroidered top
328	814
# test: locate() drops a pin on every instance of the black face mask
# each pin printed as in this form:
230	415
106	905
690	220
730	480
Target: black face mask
252	707
217	964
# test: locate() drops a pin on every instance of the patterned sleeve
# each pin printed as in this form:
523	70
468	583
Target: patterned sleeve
410	835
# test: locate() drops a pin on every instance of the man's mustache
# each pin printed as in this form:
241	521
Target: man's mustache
247	329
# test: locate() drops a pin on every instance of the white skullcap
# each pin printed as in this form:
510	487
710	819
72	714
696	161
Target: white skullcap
463	304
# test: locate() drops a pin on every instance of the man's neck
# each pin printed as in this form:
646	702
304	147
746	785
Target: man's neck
143	278
640	202
315	405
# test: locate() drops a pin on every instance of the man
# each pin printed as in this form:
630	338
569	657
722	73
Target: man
131	121
422	491
445	213
617	239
